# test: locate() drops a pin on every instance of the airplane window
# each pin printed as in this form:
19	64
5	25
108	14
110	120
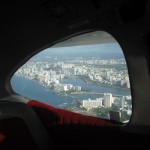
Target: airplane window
86	74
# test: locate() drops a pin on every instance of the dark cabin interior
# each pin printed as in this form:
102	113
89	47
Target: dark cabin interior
29	26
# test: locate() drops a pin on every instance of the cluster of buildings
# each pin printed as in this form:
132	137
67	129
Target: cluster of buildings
67	87
111	72
108	101
50	73
49	78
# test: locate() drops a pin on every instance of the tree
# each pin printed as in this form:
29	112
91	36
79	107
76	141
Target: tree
101	112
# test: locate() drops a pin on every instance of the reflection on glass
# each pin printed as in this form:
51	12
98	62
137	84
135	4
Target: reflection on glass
86	74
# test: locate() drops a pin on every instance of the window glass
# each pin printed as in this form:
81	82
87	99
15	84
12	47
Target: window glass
86	74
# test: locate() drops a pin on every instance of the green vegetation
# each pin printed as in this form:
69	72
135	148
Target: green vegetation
74	107
101	112
71	91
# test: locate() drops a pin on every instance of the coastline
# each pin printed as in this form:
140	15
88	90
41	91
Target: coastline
76	92
96	83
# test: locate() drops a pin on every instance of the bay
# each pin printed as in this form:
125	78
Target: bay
33	90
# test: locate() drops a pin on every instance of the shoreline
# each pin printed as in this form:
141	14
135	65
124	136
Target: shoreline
72	93
101	84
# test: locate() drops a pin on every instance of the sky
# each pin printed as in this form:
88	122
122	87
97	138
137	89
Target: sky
97	50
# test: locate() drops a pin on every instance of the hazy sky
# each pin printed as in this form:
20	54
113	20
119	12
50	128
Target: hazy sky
84	50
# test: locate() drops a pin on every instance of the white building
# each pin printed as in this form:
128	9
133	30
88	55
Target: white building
108	99
92	103
65	87
61	87
69	86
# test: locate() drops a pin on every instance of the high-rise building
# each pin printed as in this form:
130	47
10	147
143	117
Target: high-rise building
122	102
108	99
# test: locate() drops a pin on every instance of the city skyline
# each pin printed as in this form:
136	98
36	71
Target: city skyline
78	77
79	73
